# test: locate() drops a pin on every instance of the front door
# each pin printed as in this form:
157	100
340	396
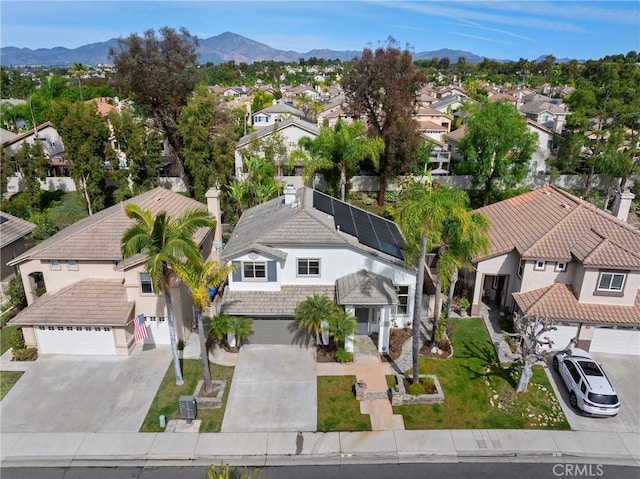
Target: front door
362	315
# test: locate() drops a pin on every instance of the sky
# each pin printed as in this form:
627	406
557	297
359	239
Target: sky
493	29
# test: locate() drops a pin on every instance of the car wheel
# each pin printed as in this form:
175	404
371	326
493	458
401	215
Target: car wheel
573	400
555	364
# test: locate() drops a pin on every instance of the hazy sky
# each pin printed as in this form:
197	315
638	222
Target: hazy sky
494	29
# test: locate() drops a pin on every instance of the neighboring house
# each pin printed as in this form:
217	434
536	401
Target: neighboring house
546	147
276	113
91	293
551	115
439	158
555	255
290	130
450	104
306	243
427	116
51	142
13	242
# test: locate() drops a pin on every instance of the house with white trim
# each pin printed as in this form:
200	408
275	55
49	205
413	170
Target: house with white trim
305	243
83	294
555	255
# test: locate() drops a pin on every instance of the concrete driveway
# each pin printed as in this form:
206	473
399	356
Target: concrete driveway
624	372
85	393
274	388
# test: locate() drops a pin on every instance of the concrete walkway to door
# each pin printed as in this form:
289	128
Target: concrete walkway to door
274	388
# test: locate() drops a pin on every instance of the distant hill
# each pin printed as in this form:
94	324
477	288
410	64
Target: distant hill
217	49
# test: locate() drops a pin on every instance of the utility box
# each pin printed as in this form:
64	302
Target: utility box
188	408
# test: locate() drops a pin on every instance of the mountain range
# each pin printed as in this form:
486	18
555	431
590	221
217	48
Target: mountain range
217	49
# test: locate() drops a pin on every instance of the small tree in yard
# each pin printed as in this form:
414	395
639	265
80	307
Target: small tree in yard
342	325
313	313
529	329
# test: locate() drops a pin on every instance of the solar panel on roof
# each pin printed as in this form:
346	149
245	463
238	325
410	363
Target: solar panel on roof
366	233
388	243
343	219
3	219
323	203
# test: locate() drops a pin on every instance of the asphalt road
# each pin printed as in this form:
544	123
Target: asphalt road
369	471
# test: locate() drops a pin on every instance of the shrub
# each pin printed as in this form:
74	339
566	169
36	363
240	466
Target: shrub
464	304
15	292
343	356
416	389
180	345
25	354
16	340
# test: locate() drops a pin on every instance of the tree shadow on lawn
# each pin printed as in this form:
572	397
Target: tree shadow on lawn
490	366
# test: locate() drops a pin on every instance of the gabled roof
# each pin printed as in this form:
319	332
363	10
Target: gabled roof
550	224
280	108
13	228
6	135
97	237
276	224
268	130
559	302
27	134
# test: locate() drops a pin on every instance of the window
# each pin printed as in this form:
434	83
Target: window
495	283
573	371
254	270
540	265
55	264
403	299
78	328
145	283
521	268
308	267
87	328
611	282
72	265
69	328
107	328
561	266
60	328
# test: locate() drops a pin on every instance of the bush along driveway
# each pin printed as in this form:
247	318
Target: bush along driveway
480	392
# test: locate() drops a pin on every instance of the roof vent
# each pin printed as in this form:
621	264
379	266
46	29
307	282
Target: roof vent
289	194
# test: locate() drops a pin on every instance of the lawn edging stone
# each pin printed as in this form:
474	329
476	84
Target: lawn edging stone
210	402
399	395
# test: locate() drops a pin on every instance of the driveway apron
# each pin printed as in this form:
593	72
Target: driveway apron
274	388
62	393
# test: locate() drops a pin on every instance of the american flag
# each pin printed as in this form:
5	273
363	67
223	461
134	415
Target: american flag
140	328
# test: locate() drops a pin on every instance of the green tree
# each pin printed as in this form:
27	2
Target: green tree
208	132
313	313
338	152
198	276
341	326
78	70
164	242
261	99
160	72
497	147
33	165
85	137
383	86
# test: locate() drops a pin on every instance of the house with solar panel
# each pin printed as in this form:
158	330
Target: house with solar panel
307	243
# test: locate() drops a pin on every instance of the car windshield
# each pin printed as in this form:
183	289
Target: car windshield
603	398
590	368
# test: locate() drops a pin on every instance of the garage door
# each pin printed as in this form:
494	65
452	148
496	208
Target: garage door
563	335
619	341
75	340
277	331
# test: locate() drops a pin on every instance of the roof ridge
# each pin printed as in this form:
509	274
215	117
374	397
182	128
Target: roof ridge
552	230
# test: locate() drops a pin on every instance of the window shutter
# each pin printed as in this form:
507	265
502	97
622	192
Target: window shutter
237	272
272	275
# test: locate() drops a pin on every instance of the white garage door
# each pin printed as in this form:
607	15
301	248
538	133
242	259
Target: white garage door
619	341
563	335
75	340
158	329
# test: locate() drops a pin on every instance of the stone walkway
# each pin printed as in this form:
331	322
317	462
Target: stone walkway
405	360
490	317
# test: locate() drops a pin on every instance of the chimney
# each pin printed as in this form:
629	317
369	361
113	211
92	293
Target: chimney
622	204
213	205
289	194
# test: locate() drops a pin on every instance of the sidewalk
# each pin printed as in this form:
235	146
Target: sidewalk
284	448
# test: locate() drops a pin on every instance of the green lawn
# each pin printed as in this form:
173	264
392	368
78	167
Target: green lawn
166	400
4	337
338	409
480	393
7	380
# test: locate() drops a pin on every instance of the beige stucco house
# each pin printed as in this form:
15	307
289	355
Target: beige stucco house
82	293
555	255
14	240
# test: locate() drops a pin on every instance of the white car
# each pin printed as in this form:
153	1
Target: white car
589	387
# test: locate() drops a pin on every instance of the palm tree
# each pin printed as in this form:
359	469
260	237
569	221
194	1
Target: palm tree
165	243
342	325
340	150
198	276
79	70
313	312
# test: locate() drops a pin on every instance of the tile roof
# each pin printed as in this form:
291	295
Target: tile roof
100	302
551	224
26	134
268	130
365	287
560	303
271	303
97	237
13	228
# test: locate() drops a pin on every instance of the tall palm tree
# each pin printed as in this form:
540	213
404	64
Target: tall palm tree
79	70
165	243
313	312
198	276
339	150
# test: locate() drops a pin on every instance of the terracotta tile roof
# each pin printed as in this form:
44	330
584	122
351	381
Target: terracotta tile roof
551	224
559	303
97	237
458	133
78	304
429	125
365	287
271	303
13	228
